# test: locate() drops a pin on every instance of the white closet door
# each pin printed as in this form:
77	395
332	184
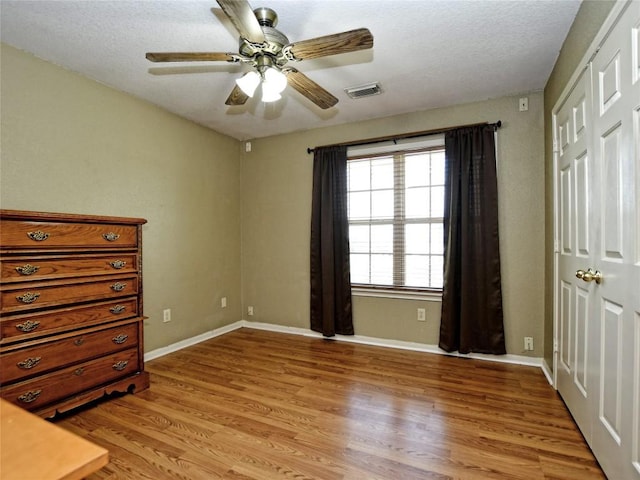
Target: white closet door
615	341
597	135
574	215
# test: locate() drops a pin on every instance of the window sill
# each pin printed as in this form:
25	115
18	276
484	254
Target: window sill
432	296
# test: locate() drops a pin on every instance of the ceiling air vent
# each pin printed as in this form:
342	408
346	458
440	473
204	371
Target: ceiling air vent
364	90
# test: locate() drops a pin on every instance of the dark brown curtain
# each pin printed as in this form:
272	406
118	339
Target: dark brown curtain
472	292
330	272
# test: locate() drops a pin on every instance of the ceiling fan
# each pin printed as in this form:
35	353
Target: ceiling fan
268	51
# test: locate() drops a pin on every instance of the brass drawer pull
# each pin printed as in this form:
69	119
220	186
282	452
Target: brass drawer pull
117	309
110	237
118	287
28	326
28	297
78	371
30	396
120	339
119	366
28	363
118	264
78	341
27	269
38	236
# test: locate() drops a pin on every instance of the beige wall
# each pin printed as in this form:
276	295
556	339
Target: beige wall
227	223
585	27
276	205
72	145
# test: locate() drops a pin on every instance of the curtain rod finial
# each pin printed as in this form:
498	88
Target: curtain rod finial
310	150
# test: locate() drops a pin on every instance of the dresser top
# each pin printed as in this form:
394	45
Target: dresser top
67	217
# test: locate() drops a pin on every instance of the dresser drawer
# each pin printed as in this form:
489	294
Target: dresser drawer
34	268
48	235
18	297
42	390
44	357
15	328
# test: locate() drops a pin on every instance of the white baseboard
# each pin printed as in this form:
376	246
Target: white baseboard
188	342
548	372
380	342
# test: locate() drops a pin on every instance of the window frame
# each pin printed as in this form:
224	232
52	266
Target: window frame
429	144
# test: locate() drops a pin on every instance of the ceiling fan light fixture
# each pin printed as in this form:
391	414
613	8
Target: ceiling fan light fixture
273	83
269	95
249	82
276	80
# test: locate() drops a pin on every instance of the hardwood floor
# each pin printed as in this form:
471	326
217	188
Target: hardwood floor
260	405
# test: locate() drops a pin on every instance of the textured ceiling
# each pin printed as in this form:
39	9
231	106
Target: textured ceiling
426	53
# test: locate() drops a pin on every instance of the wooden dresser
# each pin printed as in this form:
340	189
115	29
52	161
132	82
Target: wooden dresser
71	309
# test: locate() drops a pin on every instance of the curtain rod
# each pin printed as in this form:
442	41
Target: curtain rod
403	136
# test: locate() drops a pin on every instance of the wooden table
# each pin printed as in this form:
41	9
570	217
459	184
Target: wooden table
34	449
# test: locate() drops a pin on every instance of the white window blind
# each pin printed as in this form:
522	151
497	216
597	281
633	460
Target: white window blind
396	207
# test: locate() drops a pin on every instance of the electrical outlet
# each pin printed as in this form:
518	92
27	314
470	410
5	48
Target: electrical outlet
166	315
528	343
422	315
250	311
223	302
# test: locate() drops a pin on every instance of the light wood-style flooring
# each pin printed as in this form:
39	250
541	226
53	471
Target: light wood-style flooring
253	404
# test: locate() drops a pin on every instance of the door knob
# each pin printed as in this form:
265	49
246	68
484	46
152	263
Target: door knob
590	275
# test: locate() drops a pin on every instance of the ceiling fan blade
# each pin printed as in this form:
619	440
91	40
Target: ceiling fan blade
243	18
310	89
344	42
189	57
236	97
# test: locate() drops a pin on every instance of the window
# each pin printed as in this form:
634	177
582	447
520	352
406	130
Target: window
396	208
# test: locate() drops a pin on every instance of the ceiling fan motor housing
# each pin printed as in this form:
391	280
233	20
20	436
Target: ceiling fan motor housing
275	40
266	16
